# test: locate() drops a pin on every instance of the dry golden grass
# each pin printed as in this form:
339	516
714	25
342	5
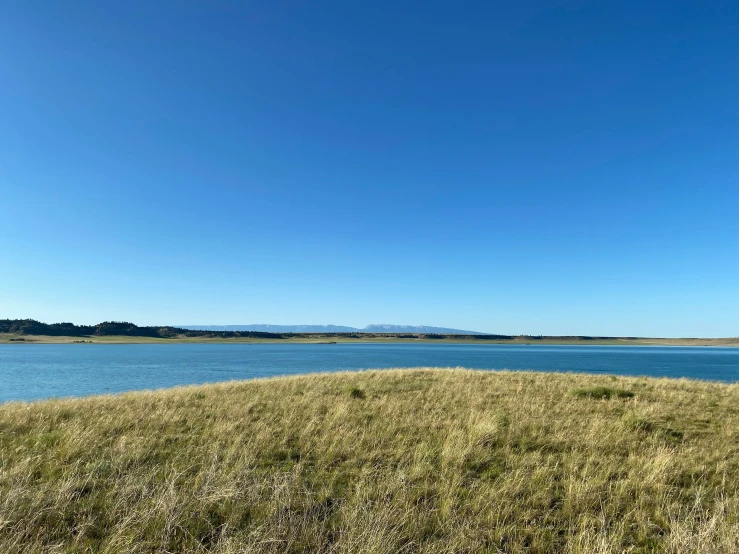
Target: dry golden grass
399	461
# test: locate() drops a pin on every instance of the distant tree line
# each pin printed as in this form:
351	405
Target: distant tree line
116	328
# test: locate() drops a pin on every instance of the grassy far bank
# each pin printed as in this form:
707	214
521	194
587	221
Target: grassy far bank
22	331
13	338
378	462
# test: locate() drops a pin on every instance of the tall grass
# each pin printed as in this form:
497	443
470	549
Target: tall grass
378	462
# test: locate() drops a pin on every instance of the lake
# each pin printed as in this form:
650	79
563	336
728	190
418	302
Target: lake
33	371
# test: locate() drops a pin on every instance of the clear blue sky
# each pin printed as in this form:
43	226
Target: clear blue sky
512	167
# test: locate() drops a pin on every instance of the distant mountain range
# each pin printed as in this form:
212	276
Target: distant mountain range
377	328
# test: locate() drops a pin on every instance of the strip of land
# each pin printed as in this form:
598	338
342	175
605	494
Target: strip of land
30	331
392	461
313	338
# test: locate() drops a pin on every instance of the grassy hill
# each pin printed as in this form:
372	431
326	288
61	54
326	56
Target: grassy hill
380	462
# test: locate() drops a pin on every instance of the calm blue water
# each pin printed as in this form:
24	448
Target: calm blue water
32	371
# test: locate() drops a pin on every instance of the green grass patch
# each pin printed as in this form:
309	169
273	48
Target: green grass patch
356	392
602	393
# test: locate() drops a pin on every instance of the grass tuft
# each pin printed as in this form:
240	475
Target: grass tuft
356	392
636	423
602	393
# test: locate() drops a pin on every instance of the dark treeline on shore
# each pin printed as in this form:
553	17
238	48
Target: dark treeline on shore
115	328
126	329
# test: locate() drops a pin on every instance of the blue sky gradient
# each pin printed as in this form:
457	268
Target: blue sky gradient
536	167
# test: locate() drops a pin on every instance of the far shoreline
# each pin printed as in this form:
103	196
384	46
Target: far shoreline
11	338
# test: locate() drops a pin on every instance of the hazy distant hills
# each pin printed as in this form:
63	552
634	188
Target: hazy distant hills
376	328
264	328
382	328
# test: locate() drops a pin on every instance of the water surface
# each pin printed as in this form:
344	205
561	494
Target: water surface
32	371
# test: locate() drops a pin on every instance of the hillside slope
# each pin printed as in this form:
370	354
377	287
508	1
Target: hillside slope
378	462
